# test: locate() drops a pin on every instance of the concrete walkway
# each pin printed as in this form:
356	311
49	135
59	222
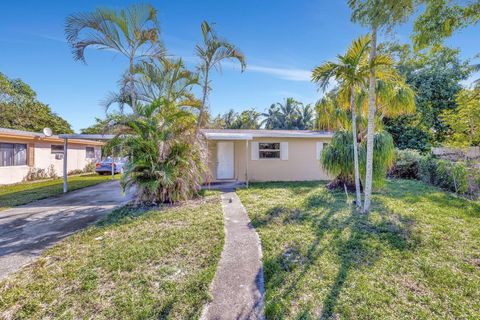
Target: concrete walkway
237	288
26	231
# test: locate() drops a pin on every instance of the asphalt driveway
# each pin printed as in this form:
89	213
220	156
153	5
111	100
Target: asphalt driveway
26	231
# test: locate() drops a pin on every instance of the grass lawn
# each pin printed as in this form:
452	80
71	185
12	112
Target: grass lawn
415	256
22	193
133	265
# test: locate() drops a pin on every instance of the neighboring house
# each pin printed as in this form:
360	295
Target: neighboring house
266	155
24	151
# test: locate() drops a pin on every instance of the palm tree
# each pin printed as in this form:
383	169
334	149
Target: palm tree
133	32
350	72
164	165
272	118
247	119
289	113
331	116
212	52
306	117
337	158
376	14
156	78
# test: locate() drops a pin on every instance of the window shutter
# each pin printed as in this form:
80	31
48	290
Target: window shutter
284	150
319	150
254	149
31	155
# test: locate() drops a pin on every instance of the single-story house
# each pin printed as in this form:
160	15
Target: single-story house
23	151
265	155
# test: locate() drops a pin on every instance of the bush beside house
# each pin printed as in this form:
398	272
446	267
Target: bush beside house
461	177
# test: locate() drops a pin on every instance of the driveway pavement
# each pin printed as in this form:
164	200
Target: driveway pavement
26	231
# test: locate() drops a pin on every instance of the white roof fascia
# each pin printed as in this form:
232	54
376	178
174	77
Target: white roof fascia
228	136
294	135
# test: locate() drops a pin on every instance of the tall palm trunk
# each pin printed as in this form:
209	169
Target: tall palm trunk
204	100
370	126
358	202
132	88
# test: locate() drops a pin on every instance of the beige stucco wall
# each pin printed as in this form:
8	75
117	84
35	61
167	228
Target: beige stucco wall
43	158
302	163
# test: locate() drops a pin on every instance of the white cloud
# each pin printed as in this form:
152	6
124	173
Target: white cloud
292	74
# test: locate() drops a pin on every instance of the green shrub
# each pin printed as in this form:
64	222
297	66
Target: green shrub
459	173
427	167
90	167
459	177
407	164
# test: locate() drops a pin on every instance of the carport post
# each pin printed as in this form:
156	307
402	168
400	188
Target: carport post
65	148
246	163
113	169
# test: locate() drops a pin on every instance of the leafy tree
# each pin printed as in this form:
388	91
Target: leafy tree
133	32
101	126
212	52
464	121
435	76
20	109
442	18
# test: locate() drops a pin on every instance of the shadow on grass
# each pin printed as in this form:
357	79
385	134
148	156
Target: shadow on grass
412	191
331	219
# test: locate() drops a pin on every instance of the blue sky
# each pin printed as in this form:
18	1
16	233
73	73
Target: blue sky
282	40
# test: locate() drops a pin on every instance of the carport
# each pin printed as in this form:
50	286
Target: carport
65	138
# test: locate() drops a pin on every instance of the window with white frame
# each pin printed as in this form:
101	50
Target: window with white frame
13	154
269	150
90	152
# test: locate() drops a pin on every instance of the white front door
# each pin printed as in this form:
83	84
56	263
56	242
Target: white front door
225	160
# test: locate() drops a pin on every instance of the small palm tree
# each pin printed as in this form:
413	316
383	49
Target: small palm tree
133	32
165	166
337	158
351	72
157	78
212	52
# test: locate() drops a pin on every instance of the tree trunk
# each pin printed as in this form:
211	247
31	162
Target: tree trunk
371	123
204	99
358	202
132	88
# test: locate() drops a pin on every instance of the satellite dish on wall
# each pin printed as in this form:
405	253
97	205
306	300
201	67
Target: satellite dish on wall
47	132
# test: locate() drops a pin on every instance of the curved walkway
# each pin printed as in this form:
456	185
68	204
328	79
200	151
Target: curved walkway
237	288
27	230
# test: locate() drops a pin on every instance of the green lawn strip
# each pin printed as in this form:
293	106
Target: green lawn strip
23	193
415	256
133	265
